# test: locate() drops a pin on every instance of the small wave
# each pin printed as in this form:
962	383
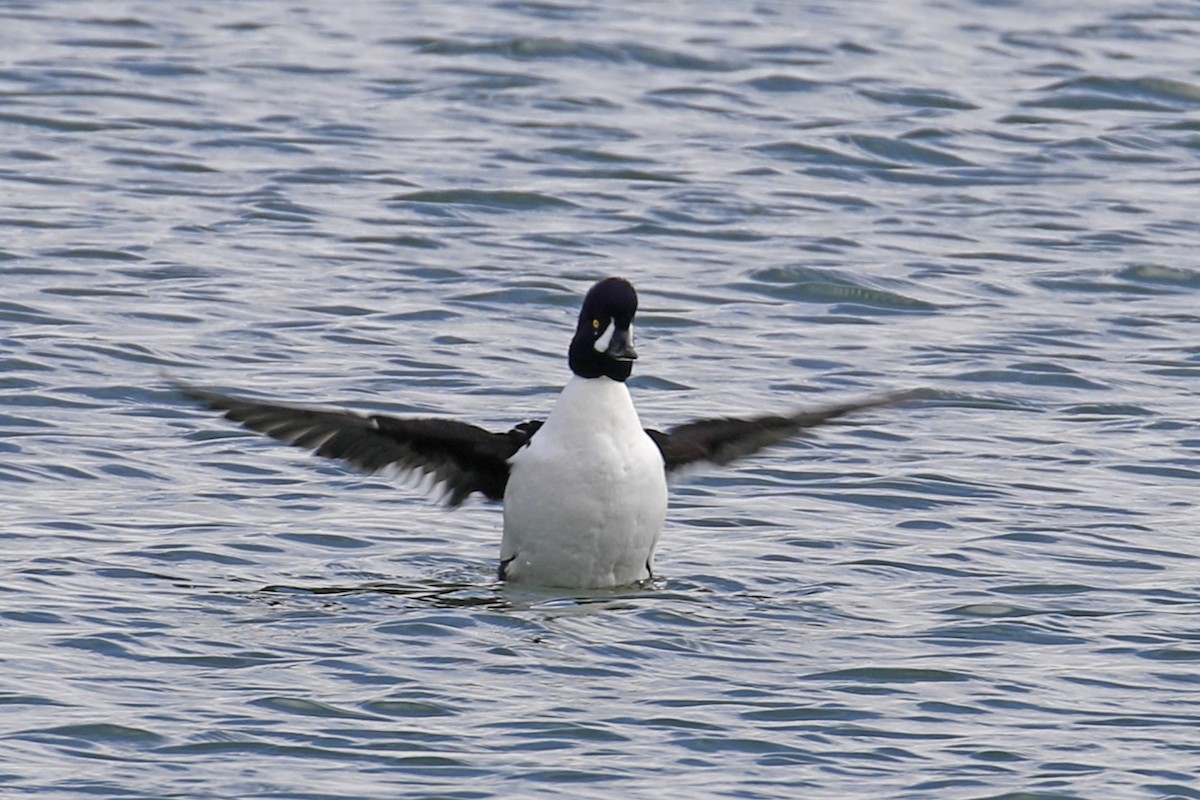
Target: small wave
613	174
918	98
1147	279
1094	93
783	84
553	47
94	254
110	44
813	285
899	151
499	200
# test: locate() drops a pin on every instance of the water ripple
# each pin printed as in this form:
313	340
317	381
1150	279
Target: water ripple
396	207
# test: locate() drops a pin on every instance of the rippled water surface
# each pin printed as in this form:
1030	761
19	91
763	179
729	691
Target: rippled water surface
993	592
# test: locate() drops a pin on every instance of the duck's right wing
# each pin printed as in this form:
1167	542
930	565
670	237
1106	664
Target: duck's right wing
458	458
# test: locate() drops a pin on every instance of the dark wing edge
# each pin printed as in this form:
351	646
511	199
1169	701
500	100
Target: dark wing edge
721	440
454	458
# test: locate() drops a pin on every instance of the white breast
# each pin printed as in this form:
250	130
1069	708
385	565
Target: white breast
586	499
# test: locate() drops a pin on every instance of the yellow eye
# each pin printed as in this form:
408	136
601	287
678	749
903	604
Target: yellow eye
596	324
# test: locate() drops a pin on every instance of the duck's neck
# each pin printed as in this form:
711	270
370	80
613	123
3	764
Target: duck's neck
594	405
587	362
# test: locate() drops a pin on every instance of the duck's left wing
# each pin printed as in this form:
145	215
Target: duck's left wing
459	458
721	440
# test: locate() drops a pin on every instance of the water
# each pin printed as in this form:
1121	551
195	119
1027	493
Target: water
396	206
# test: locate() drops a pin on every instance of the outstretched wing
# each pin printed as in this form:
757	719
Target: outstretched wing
460	458
721	440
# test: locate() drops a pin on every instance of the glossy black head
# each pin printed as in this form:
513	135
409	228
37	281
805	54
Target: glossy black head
603	343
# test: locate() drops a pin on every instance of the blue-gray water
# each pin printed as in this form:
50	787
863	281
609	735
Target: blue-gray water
994	592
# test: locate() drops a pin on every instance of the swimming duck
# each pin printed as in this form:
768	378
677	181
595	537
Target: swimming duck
584	492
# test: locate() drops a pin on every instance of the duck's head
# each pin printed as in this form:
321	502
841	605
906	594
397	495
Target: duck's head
603	343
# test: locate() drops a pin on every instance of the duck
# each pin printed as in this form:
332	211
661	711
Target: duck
583	492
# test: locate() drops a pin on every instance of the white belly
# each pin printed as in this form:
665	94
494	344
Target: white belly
585	501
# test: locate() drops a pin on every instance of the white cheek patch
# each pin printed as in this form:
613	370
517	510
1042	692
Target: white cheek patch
601	344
